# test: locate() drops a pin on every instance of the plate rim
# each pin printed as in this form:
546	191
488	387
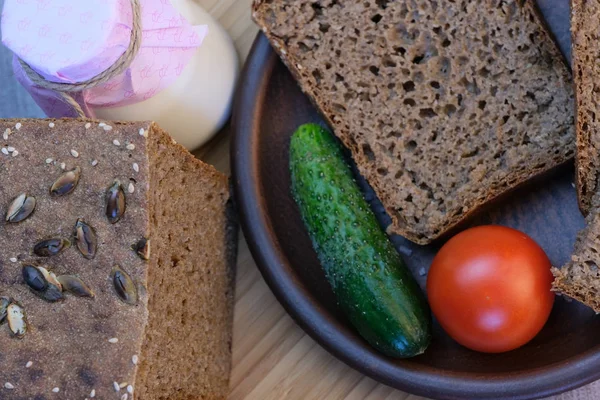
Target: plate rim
309	314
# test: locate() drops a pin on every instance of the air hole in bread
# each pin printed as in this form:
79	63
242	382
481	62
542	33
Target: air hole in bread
374	70
408	86
410	145
470	153
368	152
399	50
324	27
485	40
389	62
318	9
591	265
303	47
425	187
382	3
317	75
418	59
376	18
449	109
445	66
337	107
403	11
533	37
350	95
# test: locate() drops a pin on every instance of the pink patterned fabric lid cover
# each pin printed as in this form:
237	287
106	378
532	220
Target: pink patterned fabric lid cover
73	41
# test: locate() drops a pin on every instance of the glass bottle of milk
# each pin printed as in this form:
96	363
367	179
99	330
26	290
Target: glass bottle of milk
197	105
58	40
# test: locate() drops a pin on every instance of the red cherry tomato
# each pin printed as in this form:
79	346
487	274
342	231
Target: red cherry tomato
489	287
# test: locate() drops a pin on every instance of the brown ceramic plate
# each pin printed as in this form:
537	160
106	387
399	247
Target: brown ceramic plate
566	354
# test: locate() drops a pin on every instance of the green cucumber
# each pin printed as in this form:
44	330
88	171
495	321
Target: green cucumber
373	286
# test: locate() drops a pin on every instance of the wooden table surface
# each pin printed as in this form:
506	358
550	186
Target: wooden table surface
273	359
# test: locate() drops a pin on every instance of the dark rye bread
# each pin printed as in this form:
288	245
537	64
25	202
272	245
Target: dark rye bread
444	105
585	15
580	277
176	342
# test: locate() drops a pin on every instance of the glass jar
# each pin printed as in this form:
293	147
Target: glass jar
183	76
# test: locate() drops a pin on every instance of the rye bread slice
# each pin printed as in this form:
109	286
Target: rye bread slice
580	277
584	28
444	105
175	343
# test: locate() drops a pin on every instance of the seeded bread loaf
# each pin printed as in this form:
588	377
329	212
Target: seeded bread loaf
443	104
580	277
584	21
151	239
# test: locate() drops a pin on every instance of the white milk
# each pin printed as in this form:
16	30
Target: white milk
197	105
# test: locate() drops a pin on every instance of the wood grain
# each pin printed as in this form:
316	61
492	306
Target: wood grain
273	358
